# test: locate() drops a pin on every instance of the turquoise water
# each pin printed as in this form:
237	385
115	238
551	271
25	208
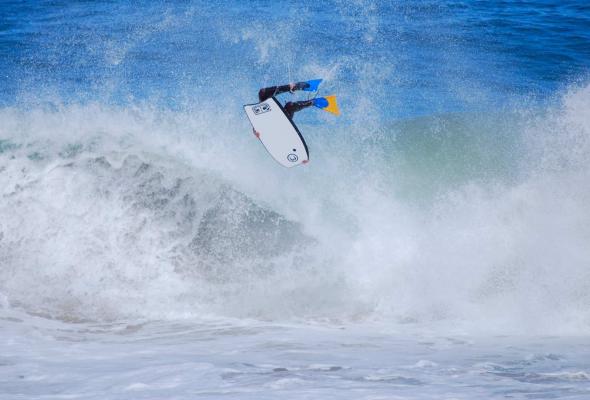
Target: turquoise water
435	247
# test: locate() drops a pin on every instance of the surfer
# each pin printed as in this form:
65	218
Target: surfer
280	135
292	106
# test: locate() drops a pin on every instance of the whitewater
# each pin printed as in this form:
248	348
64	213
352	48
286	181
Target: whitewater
437	246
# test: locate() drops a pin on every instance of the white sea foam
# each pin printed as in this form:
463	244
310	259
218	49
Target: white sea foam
135	212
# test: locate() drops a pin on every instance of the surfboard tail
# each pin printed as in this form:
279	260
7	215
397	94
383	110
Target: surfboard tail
327	103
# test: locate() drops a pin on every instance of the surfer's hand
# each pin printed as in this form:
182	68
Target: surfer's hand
292	87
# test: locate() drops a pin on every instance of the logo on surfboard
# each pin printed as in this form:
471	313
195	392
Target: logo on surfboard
292	157
261	108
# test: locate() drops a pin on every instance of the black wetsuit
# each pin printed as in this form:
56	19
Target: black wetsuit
292	106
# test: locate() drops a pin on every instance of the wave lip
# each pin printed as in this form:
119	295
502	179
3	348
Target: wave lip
96	238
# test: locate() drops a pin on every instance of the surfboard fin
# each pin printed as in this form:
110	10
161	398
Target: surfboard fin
327	103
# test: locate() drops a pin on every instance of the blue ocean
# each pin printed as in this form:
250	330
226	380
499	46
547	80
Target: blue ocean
436	246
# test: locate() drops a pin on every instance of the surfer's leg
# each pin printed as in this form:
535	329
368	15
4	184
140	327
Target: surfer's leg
293	106
266	93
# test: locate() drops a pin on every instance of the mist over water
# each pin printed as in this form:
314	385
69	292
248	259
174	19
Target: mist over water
118	212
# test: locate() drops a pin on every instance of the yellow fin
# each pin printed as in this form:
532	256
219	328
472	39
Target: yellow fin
332	105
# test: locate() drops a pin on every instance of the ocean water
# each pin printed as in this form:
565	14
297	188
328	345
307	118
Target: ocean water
437	245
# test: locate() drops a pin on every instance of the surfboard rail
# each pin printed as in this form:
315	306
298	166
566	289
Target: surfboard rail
277	132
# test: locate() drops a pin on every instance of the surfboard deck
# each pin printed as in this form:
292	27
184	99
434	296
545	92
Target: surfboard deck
277	132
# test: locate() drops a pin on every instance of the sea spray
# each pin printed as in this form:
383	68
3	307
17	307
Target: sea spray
108	217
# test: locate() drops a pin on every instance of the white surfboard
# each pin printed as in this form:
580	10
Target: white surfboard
277	132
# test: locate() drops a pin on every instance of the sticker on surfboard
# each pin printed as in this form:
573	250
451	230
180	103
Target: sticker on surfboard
277	132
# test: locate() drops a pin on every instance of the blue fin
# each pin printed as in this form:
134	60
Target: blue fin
320	102
313	85
327	103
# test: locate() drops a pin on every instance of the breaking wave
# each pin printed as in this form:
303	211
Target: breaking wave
140	212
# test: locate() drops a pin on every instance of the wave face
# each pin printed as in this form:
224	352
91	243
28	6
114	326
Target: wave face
454	191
